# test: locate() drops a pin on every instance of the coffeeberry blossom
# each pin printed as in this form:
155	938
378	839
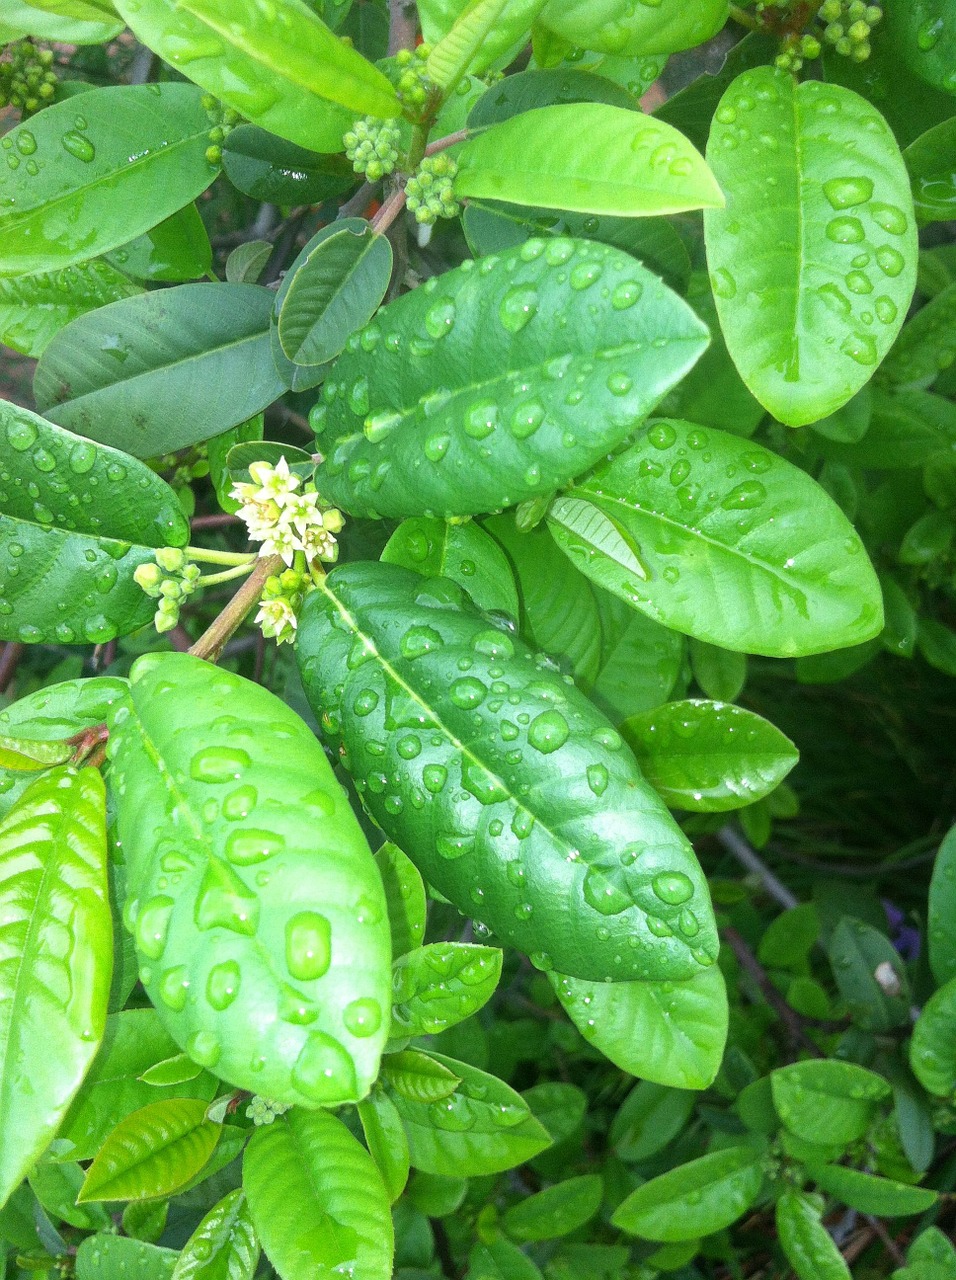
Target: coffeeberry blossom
285	517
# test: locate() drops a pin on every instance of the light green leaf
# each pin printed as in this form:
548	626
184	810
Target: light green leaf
670	1032
483	1127
932	170
709	756
695	1199
883	1197
317	1200
138	372
813	261
175	249
386	1141
224	1246
462	552
76	192
927	344
452	56
24	19
556	1211
870	975
589	157
153	1152
825	1100
500	402
282	67
501	44
436	986
35	307
80	10
418	1077
649	1119
931	1256
404	898
57	946
103	1257
807	1244
933	1047
175	1070
20	755
615	26
942	910
739	547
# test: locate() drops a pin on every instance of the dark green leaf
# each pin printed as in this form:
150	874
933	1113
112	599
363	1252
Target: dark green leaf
153	1152
640	665
931	1257
906	430
218	449
942	909
927	344
35	307
539	88
268	168
924	35
651	1117
932	170
404	898
501	1260
694	1199
247	261
721	673
933	1047
436	986
937	644
556	1211
462	552
103	1257
870	975
869	1194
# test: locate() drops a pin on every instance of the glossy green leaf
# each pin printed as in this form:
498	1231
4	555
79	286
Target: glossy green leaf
419	1077
103	1257
67	560
247	261
287	951
529	90
404	898
502	42
719	538
805	1241
175	1070
80	10
35	307
332	288
268	168
813	260
640	665
76	193
651	1117
883	1197
691	109
589	157
695	1199
670	1032
153	1152
556	1211
20	755
462	552
483	1127
933	1047
282	68
137	373
709	756
25	20
941	911
224	1246
175	249
870	975
436	986
621	28
932	169
510	789
218	449
926	345
721	673
56	1187
317	1200
455	52
825	1100
924	36
931	1256
57	956
386	1141
514	386
560	1107
906	430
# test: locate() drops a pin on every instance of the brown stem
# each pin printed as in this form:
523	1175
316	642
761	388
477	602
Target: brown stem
213	640
13	651
401	26
449	140
889	1244
789	1017
389	210
218	521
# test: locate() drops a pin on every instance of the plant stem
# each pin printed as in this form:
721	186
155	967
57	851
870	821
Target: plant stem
742	851
203	555
449	140
389	210
227	575
744	18
401	26
13	650
211	643
217	521
789	1017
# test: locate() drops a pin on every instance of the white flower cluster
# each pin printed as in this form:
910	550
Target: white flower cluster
284	519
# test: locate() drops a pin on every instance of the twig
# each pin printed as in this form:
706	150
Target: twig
217	521
210	644
389	210
738	846
744	18
889	1244
449	140
401	26
9	661
789	1017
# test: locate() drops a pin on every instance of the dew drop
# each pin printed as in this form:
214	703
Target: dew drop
517	308
890	261
308	945
548	731
846	230
222	985
844	193
440	318
362	1017
218	764
626	294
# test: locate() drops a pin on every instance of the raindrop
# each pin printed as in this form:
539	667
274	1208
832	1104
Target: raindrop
526	419
845	230
222	985
860	347
435	447
308	945
626	294
218	764
440	318
517	307
673	887
78	146
548	731
890	261
723	283
843	193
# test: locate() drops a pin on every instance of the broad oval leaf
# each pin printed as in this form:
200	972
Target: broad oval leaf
556	1211
317	1200
516	796
35	307
463	552
827	1101
709	756
649	1119
884	1197
175	249
931	162
267	168
224	1246
870	975
672	1033
57	949
102	1257
807	1244
332	288
933	1047
495	382
270	963
721	673
418	1077
153	1152
22	19
76	519
813	261
436	986
926	346
386	1141
695	1199
280	67
941	909
738	547
483	1127
137	373
590	157
404	897
616	26
91	177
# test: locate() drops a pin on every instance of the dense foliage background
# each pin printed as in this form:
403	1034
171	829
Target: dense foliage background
608	347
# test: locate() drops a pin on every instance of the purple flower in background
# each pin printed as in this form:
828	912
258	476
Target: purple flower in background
904	937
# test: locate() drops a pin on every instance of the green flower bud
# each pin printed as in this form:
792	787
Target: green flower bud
810	47
170	558
165	621
214	155
170	590
859	32
844	46
149	577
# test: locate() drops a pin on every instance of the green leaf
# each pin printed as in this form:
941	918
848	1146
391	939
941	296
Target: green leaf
153	1152
25	20
590	157
135	1041
138	372
499	1259
556	1211
77	193
483	1127
471	425
462	552
926	346
929	160
670	1032
502	43
436	986
278	920
691	110
924	35
267	168
649	1119
827	1101
455	52
20	755
931	1257
293	77
933	1047
906	430
560	1107
80	10
175	249
247	262
825	243
224	1246
317	1200
869	1194
807	1244
386	1141
417	1076
737	546
67	559
640	665
55	1187
332	288
35	307
577	860
695	1199
709	756
621	28
175	1070
218	449
529	90
941	912
870	975
721	673
57	957
937	644
404	898
103	1257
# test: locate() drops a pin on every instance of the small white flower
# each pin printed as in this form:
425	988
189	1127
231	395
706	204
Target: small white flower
277	619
